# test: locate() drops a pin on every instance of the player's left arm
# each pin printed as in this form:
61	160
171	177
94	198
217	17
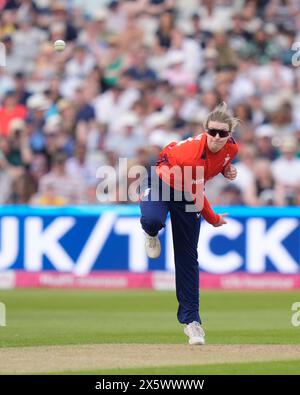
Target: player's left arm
229	171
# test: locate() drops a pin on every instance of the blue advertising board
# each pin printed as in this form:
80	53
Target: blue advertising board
84	239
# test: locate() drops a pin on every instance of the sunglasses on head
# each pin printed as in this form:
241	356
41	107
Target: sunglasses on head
214	132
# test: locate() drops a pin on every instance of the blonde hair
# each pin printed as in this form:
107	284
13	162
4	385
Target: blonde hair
222	114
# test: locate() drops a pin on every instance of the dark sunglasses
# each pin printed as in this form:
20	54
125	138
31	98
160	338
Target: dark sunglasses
214	132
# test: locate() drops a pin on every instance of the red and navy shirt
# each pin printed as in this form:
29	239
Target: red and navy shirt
194	152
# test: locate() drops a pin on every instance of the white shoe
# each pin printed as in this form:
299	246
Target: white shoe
152	246
195	333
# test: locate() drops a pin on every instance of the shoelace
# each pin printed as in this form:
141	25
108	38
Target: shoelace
196	330
152	242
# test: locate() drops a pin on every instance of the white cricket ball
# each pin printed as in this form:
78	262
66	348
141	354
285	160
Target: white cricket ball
59	45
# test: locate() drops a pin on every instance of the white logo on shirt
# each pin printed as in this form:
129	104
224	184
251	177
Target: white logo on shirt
197	181
226	159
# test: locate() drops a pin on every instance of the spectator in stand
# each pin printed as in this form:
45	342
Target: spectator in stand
198	33
165	28
226	55
131	38
24	187
231	195
84	111
55	137
176	74
286	172
37	105
139	71
80	65
191	51
39	166
22	94
20	153
67	111
116	17
239	37
9	111
79	165
129	139
113	62
95	36
157	60
26	43
43	68
264	135
261	191
49	197
59	14
60	183
261	48
8	25
208	75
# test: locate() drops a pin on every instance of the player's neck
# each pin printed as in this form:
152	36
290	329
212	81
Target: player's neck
214	150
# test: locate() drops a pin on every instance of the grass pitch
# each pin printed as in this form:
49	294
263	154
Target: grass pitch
63	317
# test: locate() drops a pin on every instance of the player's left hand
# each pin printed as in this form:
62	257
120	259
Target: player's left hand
230	172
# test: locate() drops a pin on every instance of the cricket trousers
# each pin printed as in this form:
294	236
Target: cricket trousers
185	230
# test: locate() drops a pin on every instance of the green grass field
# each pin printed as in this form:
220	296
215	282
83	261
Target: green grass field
56	317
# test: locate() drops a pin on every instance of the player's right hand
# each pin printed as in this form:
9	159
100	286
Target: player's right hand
222	220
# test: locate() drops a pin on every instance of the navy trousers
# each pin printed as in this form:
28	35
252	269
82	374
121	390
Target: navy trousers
185	229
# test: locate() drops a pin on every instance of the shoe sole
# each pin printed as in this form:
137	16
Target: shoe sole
153	256
199	342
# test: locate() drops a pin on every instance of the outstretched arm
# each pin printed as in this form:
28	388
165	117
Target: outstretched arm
210	216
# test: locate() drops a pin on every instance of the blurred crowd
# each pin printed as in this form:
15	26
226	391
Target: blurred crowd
136	75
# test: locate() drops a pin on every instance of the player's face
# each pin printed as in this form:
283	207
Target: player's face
215	140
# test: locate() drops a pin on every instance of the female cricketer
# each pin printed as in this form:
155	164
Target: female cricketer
167	191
